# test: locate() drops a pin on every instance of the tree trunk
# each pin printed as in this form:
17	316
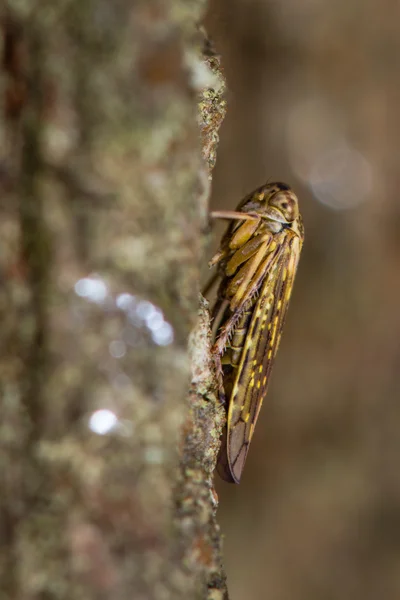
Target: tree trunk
104	203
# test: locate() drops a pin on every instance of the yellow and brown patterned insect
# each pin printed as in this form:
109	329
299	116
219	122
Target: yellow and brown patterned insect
257	263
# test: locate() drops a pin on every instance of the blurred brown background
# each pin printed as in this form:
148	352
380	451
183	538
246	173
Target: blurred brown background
314	101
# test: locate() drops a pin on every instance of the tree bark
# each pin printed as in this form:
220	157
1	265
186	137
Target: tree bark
104	204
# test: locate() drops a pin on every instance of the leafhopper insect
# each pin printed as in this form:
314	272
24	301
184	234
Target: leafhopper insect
257	263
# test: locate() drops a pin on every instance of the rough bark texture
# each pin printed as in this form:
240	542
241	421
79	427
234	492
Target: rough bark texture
103	205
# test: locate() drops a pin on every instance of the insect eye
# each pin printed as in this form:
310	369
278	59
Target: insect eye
286	204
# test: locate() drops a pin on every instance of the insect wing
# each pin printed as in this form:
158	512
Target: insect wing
261	344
